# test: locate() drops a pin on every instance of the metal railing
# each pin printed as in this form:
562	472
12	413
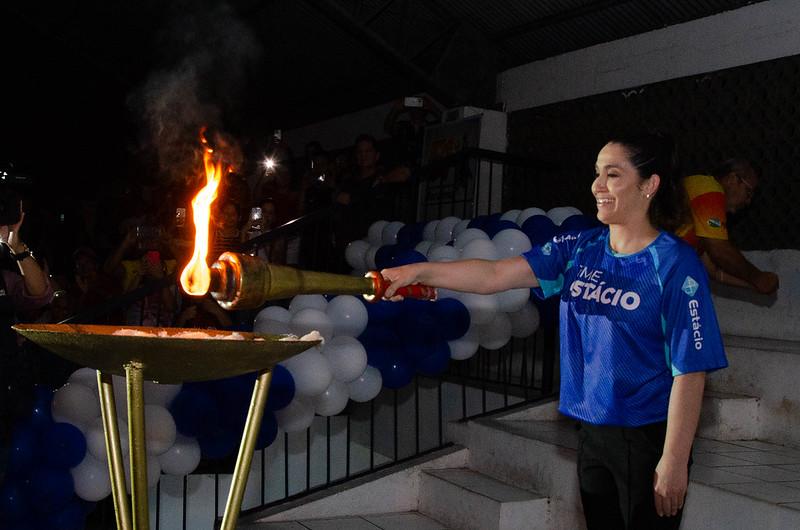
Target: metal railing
398	425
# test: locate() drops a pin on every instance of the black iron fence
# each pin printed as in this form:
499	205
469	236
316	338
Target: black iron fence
400	424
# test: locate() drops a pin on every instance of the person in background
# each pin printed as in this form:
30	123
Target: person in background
730	188
203	313
273	250
227	234
638	333
24	289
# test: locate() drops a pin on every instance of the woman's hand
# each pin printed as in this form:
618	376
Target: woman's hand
670	482
399	277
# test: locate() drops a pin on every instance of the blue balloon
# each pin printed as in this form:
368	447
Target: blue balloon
411	234
218	444
386	256
452	317
436	360
396	373
418	321
409	256
40	413
539	229
63	445
378	334
13	502
578	223
195	411
71	517
49	490
381	312
479	222
281	389
268	431
381	354
21	450
493	227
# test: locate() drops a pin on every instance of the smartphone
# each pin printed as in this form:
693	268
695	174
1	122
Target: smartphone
413	101
277	135
256	214
180	217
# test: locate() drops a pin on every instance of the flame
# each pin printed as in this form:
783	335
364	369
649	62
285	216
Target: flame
196	277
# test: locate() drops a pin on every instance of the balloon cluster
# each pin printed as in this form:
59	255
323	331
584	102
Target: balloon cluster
58	465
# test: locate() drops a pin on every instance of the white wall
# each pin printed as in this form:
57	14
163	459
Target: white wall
755	33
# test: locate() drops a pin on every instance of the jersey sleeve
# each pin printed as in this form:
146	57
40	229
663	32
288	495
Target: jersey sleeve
693	337
549	262
707	202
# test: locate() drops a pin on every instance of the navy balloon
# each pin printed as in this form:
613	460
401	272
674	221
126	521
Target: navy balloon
408	257
498	226
436	360
578	223
21	450
381	311
13	503
71	517
387	254
49	490
539	229
194	410
64	445
396	373
218	444
281	389
411	234
268	431
40	413
452	317
418	321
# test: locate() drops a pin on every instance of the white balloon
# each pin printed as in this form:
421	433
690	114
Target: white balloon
86	377
296	416
375	232
348	315
527	213
444	230
311	372
423	247
333	400
429	230
153	472
369	259
160	393
480	249
307	301
466	346
482	307
444	253
389	232
159	429
182	458
511	215
272	320
511	243
76	404
513	299
91	479
355	254
525	321
347	358
308	320
96	440
366	386
559	214
467	236
460	227
495	334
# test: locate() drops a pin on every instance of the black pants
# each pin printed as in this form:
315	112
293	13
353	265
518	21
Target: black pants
616	466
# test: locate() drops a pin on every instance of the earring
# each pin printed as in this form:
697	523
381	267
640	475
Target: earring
647	196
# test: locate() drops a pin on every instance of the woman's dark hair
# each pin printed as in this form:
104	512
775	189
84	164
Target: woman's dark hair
654	154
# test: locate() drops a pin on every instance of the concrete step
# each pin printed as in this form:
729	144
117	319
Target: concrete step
384	521
466	499
728	416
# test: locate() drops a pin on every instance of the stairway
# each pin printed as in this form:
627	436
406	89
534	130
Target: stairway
518	470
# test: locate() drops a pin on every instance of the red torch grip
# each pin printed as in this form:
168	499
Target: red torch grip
379	285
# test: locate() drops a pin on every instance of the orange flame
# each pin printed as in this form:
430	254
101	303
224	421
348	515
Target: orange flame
196	277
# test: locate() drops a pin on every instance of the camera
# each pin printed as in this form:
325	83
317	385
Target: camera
413	101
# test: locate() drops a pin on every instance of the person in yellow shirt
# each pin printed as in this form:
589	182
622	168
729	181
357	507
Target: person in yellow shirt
711	198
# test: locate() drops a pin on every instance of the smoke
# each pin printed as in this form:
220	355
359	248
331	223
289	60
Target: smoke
208	55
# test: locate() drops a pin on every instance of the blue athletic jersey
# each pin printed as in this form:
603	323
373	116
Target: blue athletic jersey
629	324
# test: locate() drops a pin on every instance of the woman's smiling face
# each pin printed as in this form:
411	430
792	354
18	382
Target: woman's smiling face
617	187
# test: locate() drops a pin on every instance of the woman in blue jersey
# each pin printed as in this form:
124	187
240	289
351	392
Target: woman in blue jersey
638	333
